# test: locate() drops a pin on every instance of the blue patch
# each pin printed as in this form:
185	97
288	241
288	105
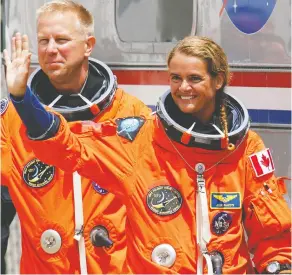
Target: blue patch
249	16
3	105
129	127
225	200
221	223
98	189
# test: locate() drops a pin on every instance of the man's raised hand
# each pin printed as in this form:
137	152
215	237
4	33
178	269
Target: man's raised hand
17	68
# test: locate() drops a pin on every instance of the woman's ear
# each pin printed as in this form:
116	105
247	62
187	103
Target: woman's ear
219	81
90	42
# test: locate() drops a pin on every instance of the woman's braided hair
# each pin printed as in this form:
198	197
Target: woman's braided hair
209	51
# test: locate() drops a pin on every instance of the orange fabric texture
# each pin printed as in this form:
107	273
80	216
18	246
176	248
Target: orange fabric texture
133	170
47	202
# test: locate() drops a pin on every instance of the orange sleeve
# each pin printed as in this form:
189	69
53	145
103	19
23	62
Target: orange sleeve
267	216
97	153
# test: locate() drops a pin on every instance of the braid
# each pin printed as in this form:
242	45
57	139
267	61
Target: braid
224	120
225	142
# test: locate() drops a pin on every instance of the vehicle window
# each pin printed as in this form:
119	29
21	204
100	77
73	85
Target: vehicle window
153	20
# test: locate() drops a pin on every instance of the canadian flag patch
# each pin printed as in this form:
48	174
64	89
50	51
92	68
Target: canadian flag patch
262	162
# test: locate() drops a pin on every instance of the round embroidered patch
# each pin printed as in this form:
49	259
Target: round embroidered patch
3	105
98	189
221	222
164	200
38	174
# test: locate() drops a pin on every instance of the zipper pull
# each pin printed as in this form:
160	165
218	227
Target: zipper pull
200	169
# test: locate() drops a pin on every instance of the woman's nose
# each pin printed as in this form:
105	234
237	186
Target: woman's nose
184	85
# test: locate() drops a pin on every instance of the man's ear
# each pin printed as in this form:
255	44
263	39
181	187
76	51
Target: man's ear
90	42
219	81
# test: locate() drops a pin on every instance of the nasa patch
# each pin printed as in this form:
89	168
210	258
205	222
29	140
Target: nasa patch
164	200
37	174
221	223
98	189
129	127
4	105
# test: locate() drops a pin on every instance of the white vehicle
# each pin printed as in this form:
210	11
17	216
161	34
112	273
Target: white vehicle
134	37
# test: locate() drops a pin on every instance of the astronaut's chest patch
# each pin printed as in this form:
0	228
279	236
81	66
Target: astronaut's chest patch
225	200
129	127
164	200
37	174
221	223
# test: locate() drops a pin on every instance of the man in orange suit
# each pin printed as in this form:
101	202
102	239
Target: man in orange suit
68	224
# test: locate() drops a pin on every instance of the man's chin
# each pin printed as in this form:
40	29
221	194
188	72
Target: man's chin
54	75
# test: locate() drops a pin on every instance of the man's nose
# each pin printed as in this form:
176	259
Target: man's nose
52	46
184	85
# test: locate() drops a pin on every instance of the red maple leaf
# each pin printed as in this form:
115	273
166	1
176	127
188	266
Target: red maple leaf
265	161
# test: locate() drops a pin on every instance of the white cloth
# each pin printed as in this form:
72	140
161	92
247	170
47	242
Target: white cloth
203	226
78	207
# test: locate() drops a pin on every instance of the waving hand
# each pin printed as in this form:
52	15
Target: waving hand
17	68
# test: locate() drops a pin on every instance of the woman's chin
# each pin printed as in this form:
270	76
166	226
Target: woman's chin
188	109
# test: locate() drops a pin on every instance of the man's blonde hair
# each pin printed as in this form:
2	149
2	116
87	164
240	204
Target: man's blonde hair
85	17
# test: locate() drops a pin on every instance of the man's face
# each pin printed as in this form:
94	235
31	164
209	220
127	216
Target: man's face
61	46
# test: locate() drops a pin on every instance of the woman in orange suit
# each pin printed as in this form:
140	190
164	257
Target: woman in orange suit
193	176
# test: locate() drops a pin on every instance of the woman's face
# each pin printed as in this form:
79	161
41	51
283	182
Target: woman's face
192	87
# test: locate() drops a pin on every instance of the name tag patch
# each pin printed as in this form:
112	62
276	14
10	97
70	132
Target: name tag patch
225	200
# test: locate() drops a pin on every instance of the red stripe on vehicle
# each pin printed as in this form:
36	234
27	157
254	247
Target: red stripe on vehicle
145	77
241	79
